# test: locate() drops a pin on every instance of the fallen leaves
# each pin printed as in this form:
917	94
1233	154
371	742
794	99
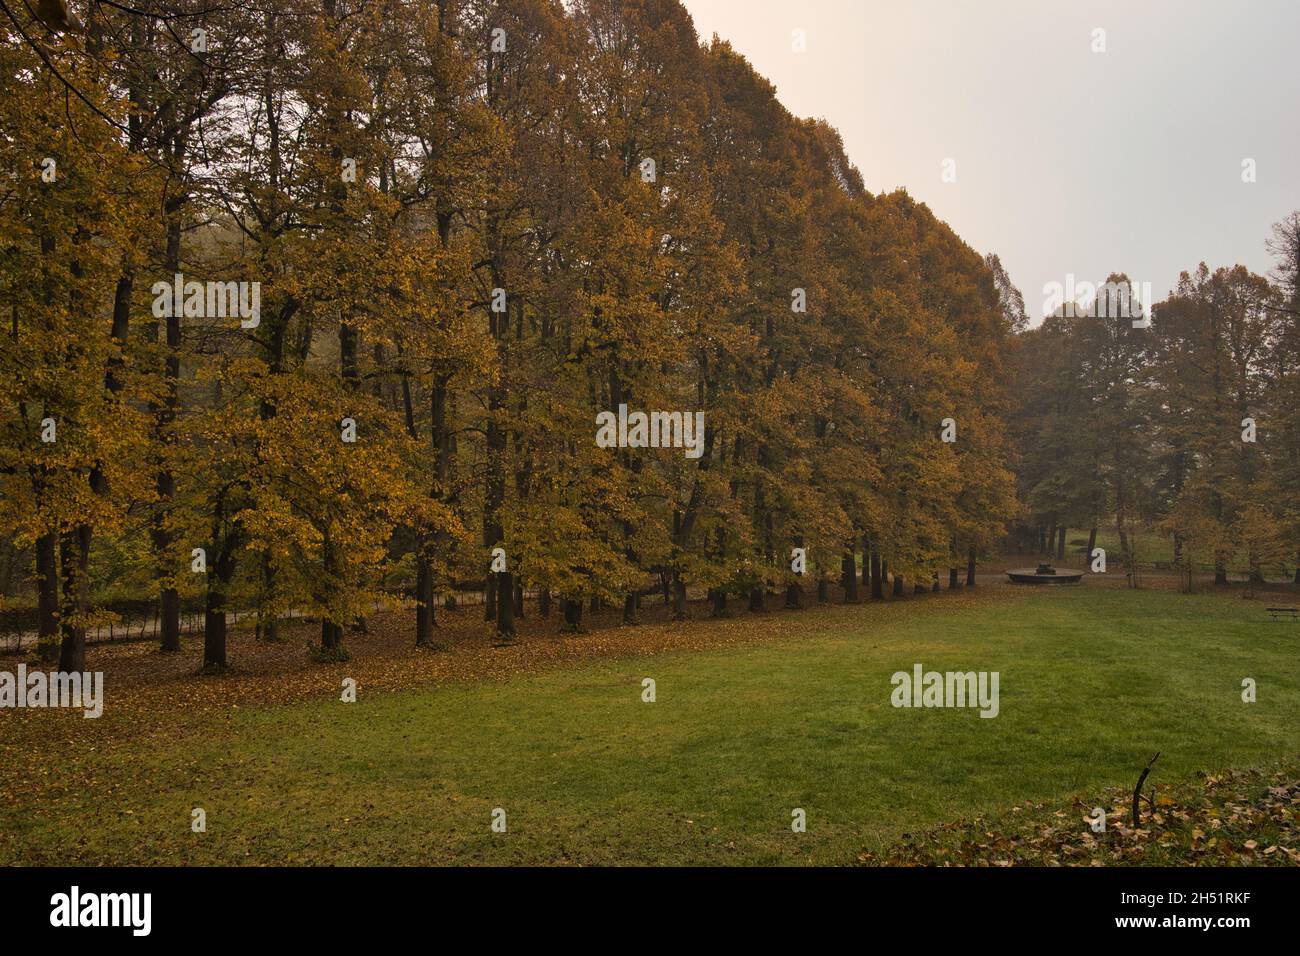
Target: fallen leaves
1218	820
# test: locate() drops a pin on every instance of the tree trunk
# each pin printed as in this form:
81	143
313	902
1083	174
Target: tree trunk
268	624
169	607
214	627
877	585
629	607
899	586
679	597
440	439
544	602
1121	526
758	599
505	590
47	597
1256	572
970	567
794	595
850	576
953	579
74	556
1092	544
423	601
720	603
331	635
1060	546
219	576
572	614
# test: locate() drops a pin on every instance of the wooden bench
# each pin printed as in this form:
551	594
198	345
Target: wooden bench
1284	614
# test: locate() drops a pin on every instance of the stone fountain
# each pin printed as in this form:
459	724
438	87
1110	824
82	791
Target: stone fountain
1044	574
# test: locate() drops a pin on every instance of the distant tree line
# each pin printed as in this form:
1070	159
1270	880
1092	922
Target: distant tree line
1188	425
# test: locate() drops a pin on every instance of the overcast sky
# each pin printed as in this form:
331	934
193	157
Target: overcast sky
1066	160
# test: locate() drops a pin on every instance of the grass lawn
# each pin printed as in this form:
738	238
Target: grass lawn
1093	682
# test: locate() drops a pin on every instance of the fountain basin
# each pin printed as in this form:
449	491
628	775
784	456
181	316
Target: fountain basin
1044	574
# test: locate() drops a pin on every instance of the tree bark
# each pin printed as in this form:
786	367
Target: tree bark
679	597
219	576
47	597
505	606
268	624
572	614
423	601
331	635
74	556
169	605
214	616
850	577
719	596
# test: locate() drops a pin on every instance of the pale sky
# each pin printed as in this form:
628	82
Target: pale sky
1067	161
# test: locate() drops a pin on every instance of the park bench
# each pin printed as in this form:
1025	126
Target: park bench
1284	614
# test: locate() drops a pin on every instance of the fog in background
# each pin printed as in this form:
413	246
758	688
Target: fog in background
1067	161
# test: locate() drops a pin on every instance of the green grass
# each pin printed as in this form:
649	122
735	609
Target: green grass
1092	683
1149	547
1153	547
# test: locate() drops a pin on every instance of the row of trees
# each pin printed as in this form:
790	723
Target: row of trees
473	226
1190	426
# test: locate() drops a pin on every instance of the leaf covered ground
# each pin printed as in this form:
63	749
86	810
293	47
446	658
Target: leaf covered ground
755	716
1232	818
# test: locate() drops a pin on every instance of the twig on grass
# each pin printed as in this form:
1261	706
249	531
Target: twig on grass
1137	792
